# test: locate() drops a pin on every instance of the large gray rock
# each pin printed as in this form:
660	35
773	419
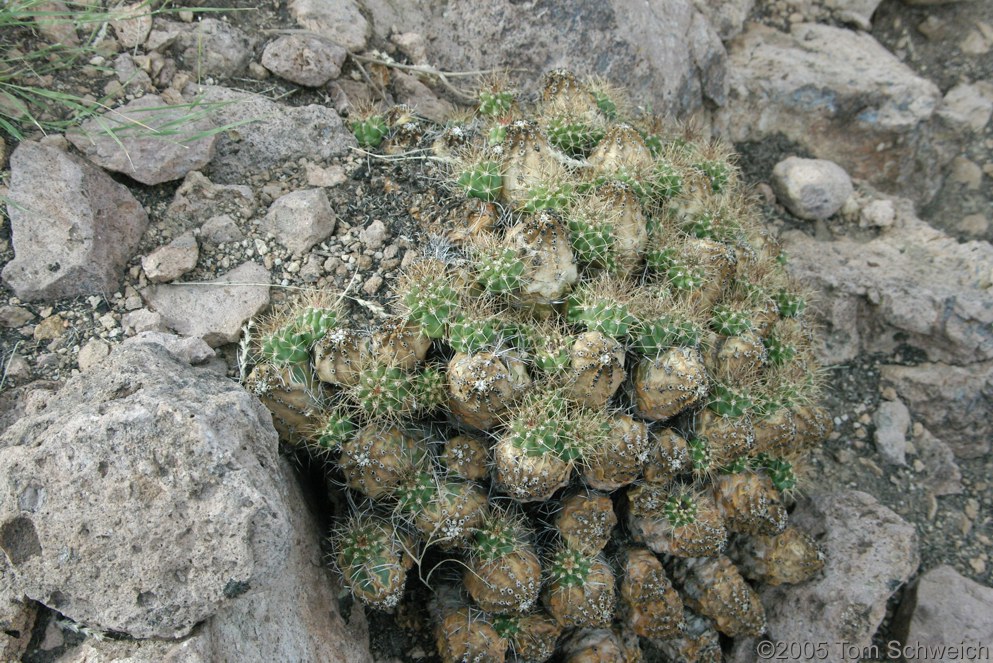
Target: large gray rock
665	54
870	552
144	496
147	140
304	59
840	95
300	219
293	617
944	609
953	402
910	285
73	227
273	134
340	21
811	189
214	311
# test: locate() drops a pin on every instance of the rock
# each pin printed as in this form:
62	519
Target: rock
221	229
347	95
49	329
974	225
324	177
841	96
300	219
952	401
198	199
16	369
877	214
912	285
944	609
942	474
73	227
304	59
273	134
192	351
727	16
968	106
49	17
374	235
142	320
311	271
130	76
144	497
811	189
15	404
340	21
14	316
131	24
869	552
92	353
856	12
212	47
165	33
665	53
966	172
291	618
147	140
17	617
372	285
183	307
930	2
977	42
412	45
892	421
171	261
421	98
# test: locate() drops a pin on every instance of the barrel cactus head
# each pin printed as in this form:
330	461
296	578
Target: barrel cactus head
579	589
503	573
373	558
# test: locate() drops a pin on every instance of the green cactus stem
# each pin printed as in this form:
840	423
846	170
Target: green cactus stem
371	131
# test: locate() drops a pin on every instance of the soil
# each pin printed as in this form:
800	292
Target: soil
953	529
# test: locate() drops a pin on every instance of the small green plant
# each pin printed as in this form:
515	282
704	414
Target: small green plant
495	102
371	131
482	181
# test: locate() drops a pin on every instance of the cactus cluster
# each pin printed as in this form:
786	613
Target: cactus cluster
594	406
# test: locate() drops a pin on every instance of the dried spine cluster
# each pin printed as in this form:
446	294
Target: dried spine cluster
593	405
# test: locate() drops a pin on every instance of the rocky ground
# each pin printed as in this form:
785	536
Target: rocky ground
195	237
